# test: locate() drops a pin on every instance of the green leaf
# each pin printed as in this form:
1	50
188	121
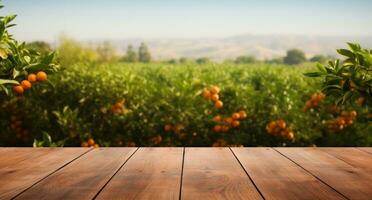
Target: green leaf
354	46
346	53
313	74
6	81
321	67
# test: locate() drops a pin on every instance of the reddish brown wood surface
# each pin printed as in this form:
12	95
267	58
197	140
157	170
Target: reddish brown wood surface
152	173
81	179
214	173
279	178
354	157
352	182
20	168
186	173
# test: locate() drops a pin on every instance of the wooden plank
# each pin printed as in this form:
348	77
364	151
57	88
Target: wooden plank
152	173
279	178
20	168
366	149
352	182
354	157
83	178
214	173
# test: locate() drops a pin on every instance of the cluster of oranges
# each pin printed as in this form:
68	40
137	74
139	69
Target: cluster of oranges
342	121
213	94
224	124
27	84
279	127
118	107
178	129
315	100
90	143
16	125
156	140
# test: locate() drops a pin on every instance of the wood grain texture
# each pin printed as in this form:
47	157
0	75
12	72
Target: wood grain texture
352	182
354	157
279	178
152	173
83	178
366	149
20	168
214	173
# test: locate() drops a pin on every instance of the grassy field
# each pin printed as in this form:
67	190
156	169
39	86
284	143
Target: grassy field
159	104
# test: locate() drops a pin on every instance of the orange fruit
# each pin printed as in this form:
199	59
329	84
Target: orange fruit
314	97
26	84
178	128
235	123
281	124
215	97
206	93
235	116
217	128
96	146
320	97
217	118
228	120
242	114
360	101
84	144
272	124
18	89
290	135
168	128
225	129
218	104
215	90
91	142
32	78
353	113
341	121
41	76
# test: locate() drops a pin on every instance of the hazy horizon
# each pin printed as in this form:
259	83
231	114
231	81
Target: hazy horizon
96	20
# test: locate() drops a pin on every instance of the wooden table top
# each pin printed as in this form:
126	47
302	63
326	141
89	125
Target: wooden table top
186	173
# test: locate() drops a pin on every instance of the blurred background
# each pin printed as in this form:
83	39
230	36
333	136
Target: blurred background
185	73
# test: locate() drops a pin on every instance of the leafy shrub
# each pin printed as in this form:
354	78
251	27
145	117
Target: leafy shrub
131	105
349	81
17	61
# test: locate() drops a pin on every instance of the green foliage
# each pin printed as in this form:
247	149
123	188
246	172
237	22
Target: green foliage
351	79
129	104
106	52
16	60
39	46
203	60
319	59
144	53
245	59
294	57
131	55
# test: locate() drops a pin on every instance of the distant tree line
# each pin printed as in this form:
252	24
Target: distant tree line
107	53
143	54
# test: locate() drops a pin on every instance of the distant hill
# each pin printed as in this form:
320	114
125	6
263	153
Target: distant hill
260	46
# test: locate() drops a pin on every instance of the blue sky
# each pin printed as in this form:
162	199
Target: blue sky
116	19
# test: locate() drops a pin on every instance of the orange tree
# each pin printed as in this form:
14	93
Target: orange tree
20	70
349	81
20	67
